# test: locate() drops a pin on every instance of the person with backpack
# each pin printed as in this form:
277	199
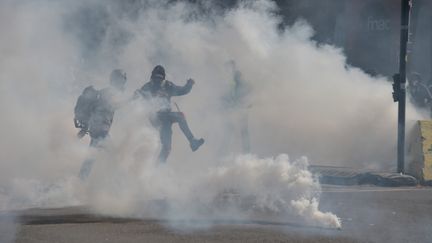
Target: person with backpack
162	90
94	113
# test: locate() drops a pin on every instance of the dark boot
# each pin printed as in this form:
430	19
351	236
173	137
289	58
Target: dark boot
196	143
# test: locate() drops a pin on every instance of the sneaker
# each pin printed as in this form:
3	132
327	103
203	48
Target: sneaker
196	143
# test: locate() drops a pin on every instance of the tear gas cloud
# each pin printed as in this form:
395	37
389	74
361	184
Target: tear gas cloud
304	101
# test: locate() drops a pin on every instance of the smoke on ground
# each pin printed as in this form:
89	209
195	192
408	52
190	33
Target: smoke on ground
304	101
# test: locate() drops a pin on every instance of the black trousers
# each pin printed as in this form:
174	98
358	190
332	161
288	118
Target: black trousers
165	119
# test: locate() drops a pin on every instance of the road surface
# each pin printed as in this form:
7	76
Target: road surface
369	214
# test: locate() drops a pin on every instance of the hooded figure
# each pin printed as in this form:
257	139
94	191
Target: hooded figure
163	90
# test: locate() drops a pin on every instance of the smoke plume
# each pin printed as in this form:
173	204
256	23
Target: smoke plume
303	101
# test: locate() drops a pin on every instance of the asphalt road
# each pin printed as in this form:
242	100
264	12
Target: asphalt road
369	214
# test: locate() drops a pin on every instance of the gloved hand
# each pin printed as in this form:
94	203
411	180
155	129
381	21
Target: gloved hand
82	133
190	82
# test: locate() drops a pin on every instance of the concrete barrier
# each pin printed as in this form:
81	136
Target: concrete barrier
419	152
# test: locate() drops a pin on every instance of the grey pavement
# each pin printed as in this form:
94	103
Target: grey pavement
368	213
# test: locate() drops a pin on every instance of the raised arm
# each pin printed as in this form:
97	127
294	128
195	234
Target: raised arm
182	90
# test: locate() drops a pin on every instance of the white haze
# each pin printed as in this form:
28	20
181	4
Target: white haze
305	102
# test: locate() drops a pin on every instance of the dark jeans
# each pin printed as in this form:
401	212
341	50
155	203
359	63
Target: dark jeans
165	120
98	138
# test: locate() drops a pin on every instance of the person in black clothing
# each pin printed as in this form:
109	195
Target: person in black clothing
163	90
419	92
94	114
105	106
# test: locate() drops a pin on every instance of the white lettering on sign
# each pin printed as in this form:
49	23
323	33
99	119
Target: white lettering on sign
375	24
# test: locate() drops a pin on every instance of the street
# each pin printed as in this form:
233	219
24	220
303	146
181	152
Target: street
368	214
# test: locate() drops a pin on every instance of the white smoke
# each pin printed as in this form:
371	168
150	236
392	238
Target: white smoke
304	101
126	182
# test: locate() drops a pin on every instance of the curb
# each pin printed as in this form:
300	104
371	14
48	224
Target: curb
349	177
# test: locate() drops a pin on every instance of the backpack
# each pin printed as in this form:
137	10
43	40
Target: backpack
84	107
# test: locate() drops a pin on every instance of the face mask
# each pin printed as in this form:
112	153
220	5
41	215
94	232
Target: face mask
157	80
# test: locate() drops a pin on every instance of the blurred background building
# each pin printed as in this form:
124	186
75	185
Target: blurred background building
368	31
